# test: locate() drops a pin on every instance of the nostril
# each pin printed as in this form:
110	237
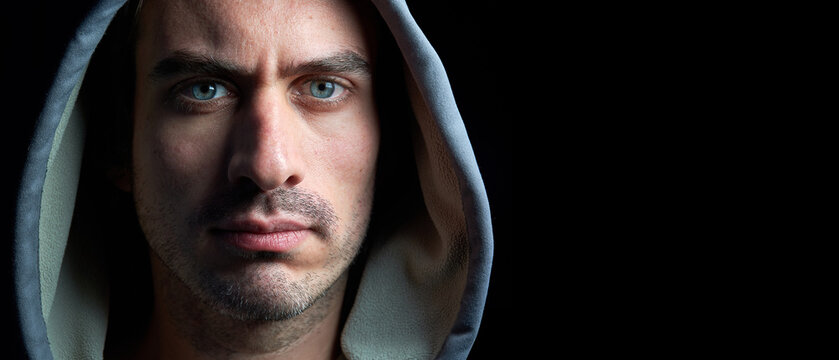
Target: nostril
246	187
293	180
267	175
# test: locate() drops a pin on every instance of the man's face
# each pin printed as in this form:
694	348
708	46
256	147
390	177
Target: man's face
254	150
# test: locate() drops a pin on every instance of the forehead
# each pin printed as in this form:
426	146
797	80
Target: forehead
252	33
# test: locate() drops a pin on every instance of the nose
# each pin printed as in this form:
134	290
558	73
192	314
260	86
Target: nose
265	144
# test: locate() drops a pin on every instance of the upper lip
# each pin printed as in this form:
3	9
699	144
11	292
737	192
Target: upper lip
258	225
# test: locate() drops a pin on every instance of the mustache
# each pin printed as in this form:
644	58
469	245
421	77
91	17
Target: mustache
250	200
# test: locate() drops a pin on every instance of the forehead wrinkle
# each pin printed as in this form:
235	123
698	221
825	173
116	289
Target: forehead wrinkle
176	25
252	43
259	36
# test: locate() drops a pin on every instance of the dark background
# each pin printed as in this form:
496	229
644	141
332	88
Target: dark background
475	40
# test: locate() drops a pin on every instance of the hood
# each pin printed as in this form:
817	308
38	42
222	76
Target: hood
422	286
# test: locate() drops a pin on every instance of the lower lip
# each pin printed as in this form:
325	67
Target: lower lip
280	242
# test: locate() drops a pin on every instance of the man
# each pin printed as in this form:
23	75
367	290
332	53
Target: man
257	143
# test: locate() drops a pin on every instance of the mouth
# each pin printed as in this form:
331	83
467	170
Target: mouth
276	236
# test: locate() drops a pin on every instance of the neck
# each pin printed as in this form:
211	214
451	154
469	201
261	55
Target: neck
183	327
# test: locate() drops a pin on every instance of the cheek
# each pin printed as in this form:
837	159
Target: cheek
180	158
173	161
353	153
346	161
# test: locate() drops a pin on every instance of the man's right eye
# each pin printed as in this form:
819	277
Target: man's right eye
207	91
201	97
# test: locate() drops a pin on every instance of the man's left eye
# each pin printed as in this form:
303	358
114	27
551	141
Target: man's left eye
324	89
207	91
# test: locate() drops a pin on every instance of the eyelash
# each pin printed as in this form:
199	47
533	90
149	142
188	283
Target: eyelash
310	101
183	104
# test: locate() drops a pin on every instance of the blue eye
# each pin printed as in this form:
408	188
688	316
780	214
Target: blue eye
322	89
208	91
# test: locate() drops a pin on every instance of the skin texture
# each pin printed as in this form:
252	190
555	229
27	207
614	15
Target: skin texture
263	150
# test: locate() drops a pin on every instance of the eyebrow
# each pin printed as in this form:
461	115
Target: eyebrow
183	62
347	62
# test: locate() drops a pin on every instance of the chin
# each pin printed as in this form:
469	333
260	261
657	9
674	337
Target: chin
266	293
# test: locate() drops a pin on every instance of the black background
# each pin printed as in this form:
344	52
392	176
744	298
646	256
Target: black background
476	41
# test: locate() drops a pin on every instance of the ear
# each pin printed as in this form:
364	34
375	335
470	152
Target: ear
121	178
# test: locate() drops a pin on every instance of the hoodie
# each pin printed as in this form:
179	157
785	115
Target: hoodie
418	289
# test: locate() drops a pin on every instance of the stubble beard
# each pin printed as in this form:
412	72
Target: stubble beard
267	293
